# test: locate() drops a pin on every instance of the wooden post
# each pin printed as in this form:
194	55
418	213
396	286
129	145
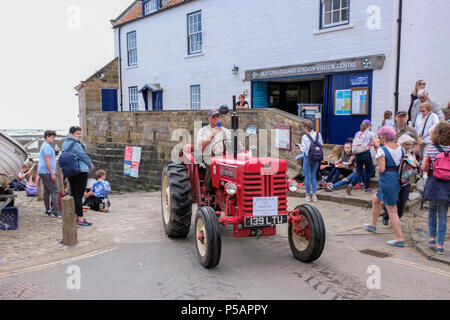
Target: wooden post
69	225
41	191
59	178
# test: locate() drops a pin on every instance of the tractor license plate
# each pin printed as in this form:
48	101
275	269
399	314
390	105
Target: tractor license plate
251	222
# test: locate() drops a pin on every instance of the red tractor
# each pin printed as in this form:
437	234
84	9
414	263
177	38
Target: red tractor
250	194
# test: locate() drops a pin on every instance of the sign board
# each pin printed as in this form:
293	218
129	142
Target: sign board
360	101
312	112
283	137
359	80
260	94
265	206
132	161
342	102
344	65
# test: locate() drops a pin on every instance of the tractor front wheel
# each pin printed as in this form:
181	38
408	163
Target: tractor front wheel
176	201
207	234
306	233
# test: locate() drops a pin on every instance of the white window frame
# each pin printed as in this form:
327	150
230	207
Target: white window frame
195	32
341	22
151	6
133	97
132	48
196	97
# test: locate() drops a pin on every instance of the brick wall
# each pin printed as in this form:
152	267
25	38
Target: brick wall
107	134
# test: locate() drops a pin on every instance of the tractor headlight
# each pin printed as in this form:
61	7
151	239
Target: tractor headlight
292	185
230	188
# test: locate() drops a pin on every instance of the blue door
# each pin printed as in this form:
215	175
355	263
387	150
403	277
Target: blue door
260	94
338	128
109	100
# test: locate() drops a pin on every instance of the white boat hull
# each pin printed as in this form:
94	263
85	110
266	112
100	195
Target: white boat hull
12	157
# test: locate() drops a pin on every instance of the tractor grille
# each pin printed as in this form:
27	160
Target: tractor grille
257	185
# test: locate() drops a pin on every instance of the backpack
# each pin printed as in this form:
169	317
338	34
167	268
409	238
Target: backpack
315	153
409	171
359	143
441	166
31	191
69	162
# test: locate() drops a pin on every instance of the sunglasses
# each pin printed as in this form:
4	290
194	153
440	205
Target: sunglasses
423	110
423	84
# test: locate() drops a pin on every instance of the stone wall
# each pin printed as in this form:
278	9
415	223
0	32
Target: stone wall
107	134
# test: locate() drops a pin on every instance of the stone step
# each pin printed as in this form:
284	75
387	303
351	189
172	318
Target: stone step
358	198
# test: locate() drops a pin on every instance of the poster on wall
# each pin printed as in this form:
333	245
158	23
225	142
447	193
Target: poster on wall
342	102
260	95
360	101
132	161
283	137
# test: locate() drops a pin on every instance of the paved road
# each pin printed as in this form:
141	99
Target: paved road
145	264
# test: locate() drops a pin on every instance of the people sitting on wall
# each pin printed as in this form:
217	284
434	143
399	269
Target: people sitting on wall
343	166
20	183
97	196
352	180
242	104
32	186
423	97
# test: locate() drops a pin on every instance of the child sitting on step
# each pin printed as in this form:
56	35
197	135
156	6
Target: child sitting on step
97	198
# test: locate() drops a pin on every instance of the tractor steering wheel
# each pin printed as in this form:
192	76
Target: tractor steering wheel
223	141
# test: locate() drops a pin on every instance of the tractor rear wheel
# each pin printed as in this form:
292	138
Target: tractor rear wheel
307	237
176	201
207	234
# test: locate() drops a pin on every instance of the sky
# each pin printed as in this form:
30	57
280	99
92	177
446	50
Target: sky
46	48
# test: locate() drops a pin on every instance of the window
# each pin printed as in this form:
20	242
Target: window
334	13
195	38
151	6
134	98
132	48
195	97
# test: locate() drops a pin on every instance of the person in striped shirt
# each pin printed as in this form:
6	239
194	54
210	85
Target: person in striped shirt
437	191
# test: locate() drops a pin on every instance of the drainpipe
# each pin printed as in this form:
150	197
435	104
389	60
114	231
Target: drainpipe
399	44
120	69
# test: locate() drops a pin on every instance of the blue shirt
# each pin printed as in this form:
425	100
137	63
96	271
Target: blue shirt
101	189
46	150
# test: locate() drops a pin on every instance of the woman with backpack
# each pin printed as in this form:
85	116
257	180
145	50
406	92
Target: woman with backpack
361	144
437	189
389	156
312	149
78	181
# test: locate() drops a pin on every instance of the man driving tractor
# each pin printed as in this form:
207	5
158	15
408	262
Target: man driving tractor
213	140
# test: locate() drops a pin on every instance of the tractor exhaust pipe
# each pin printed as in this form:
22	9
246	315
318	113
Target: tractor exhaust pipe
234	128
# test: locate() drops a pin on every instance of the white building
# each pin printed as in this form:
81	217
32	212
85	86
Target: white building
339	55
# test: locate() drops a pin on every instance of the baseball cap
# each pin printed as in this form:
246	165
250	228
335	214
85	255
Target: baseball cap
400	113
367	121
213	112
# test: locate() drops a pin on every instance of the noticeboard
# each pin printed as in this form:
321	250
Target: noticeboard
342	102
360	101
283	137
132	161
312	112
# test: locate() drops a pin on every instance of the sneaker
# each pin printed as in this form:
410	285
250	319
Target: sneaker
369	227
308	198
56	214
358	186
48	212
385	221
396	243
432	242
440	250
84	223
368	190
314	198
